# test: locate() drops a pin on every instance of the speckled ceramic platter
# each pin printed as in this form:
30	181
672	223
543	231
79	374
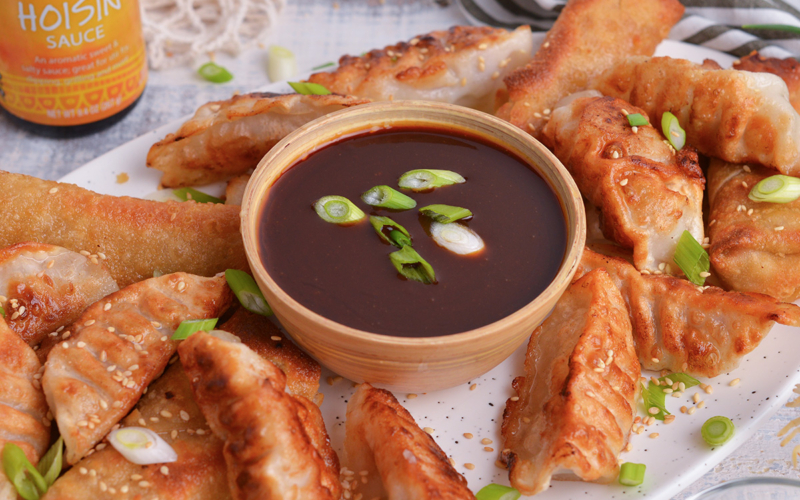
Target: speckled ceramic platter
674	459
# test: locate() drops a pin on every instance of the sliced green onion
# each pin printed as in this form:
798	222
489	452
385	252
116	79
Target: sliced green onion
654	397
215	73
457	238
408	263
776	189
2	312
387	197
497	492
281	64
717	430
308	88
445	213
187	194
420	180
247	291
692	259
776	27
50	464
687	380
188	327
142	446
636	120
27	480
631	474
386	229
326	65
338	210
672	130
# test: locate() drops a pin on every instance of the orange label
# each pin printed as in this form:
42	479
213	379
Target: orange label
70	62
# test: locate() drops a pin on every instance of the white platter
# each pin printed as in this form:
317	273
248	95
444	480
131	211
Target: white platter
674	460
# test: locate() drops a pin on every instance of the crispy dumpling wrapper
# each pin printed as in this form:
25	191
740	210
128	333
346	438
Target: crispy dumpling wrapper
787	69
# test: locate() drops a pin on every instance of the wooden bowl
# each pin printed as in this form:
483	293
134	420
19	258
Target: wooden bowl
410	364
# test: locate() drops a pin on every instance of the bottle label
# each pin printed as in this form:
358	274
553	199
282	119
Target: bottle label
70	62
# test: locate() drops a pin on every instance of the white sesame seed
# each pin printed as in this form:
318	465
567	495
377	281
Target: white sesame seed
184	415
734	382
779	228
653	435
691	410
468	435
428	430
65	345
469	466
623	182
144	484
653	410
164	470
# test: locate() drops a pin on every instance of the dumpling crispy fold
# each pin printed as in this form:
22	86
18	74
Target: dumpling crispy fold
737	116
234	192
136	236
787	69
385	443
45	287
755	246
228	138
577	398
678	326
116	348
464	65
647	193
276	445
23	409
168	409
588	37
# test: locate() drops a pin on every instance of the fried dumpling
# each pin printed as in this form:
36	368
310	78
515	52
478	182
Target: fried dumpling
136	236
276	445
228	138
464	65
588	37
23	409
737	116
755	246
400	460
116	348
787	69
680	327
45	287
577	398
647	193
168	409
234	191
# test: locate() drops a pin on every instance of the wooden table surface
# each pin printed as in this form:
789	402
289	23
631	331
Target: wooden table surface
318	31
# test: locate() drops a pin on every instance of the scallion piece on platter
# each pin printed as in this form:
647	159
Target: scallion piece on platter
654	397
27	480
215	73
692	259
636	120
247	291
421	180
387	197
187	194
50	464
775	27
457	238
308	88
497	492
445	213
281	64
322	66
338	210
776	189
717	430
142	446
687	380
631	474
188	327
2	312
672	130
386	227
409	263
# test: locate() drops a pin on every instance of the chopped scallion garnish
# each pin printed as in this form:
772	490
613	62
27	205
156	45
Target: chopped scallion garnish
677	378
215	73
387	197
497	492
247	291
187	194
50	464
188	327
631	474
423	179
27	480
457	238
2	312
338	210
281	64
672	130
321	66
717	430
142	446
692	259
776	189
654	397
776	27
308	88
445	213
636	120
386	229
409	263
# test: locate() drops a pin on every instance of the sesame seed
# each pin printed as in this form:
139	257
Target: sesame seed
473	387
65	345
155	324
164	470
83	471
164	338
124	489
599	370
635	129
486	441
669	419
200	432
483	46
428	430
102	255
514	398
136	477
629	447
184	416
103	486
746	168
116	404
166	414
53	190
275	338
695	397
487	448
103	405
705	274
66	335
468	435
526	420
623	182
144	484
681	387
779	228
615	154
411	396
701	404
174	434
655	360
744	184
181	286
653	410
469	466
750	212
107	306
81	345
668	391
651	420
655	381
92	472
709	389
734	382
111	329
537	115
495	75
546	111
653	435
546	44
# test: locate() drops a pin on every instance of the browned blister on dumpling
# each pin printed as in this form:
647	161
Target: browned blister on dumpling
681	327
276	445
399	460
116	348
45	287
228	138
577	398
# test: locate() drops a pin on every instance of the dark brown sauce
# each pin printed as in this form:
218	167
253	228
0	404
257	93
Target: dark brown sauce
344	273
